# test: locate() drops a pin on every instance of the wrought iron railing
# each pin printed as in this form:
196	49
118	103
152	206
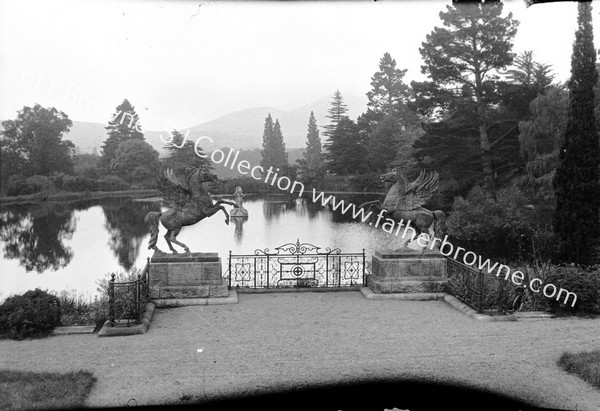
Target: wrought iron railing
127	300
478	289
296	265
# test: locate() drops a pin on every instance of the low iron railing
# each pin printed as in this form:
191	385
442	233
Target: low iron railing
296	265
478	289
127	300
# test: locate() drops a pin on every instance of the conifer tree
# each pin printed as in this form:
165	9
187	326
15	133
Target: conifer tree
576	219
124	126
313	156
389	94
336	112
463	59
347	150
273	152
388	116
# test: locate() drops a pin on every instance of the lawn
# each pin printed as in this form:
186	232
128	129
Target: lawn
30	390
585	365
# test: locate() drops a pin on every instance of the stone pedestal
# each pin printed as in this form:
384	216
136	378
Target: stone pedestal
195	275
407	271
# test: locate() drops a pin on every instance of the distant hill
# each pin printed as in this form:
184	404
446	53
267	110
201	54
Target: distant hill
240	129
244	129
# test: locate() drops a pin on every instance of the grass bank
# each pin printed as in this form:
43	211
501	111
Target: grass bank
45	390
72	196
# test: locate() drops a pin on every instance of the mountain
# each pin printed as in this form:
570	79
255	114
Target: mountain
240	129
244	129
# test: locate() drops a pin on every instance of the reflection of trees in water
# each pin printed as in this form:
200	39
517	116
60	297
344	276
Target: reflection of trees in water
309	208
239	228
34	235
274	206
126	227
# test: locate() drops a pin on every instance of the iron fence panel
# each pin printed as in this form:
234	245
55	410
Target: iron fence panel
296	265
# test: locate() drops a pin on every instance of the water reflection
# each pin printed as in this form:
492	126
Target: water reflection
275	206
126	227
308	208
239	227
34	235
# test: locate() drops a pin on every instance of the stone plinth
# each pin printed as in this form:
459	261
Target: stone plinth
194	275
407	271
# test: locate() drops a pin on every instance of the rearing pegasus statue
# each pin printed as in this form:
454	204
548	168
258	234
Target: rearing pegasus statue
188	203
405	202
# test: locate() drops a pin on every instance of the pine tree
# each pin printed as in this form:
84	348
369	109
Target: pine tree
389	94
273	152
124	126
576	219
313	156
463	59
336	112
388	116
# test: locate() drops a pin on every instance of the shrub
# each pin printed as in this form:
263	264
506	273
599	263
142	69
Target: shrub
18	187
34	313
58	179
77	184
516	219
336	183
76	309
34	184
585	282
112	183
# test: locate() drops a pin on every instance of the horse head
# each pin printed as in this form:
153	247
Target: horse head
390	177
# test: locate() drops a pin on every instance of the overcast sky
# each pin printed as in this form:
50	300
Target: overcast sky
184	63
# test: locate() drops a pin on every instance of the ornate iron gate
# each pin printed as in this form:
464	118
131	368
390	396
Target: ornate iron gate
296	265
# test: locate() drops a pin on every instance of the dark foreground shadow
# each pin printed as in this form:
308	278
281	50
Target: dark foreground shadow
379	396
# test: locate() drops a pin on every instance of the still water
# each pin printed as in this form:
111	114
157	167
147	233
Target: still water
70	246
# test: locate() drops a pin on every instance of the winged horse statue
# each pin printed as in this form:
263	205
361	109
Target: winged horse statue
405	202
187	202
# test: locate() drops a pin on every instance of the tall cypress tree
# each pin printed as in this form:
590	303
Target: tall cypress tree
576	219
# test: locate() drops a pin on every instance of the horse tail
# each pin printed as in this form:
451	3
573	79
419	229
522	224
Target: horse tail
439	227
152	219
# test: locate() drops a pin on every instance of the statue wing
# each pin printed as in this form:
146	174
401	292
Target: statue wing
419	191
176	191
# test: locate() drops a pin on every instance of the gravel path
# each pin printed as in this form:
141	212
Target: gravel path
291	340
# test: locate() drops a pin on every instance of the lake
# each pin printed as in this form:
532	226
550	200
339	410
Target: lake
70	246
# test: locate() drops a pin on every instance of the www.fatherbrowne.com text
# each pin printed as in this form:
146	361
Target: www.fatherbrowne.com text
389	225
